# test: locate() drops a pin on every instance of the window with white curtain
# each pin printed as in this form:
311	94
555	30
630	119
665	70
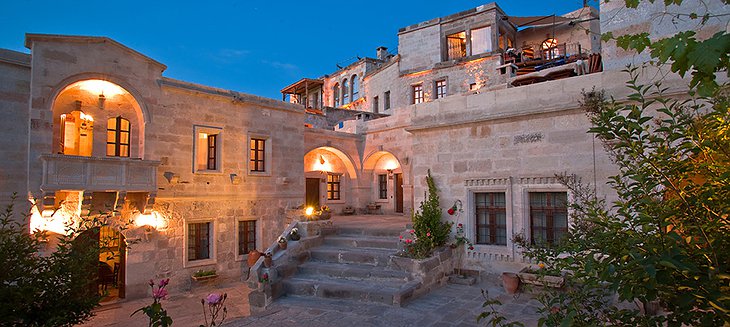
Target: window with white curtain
481	40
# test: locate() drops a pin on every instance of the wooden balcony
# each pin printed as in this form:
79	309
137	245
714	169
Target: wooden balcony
65	172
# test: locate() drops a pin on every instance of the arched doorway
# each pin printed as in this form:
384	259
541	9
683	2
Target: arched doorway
387	179
330	177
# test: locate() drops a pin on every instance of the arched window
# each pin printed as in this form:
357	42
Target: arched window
355	91
336	95
550	48
345	92
117	137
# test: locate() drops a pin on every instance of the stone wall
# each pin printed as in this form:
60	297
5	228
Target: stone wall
14	95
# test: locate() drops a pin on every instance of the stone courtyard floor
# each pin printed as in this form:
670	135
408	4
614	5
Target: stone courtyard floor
450	305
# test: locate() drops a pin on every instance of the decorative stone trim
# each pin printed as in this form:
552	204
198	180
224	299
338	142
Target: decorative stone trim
538	180
486	181
486	256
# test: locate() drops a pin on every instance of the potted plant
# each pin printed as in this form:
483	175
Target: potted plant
203	274
325	213
253	256
282	243
268	260
294	234
510	282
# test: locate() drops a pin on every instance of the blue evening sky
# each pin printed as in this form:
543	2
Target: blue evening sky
255	47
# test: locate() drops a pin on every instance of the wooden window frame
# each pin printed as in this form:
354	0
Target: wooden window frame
117	141
194	242
334	184
257	150
212	154
383	186
492	210
386	100
549	211
417	93
245	243
439	87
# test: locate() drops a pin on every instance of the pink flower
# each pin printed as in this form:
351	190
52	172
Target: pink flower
159	293
401	237
164	282
151	283
214	298
413	231
428	234
409	241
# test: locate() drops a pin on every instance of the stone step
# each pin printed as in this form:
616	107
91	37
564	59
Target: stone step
352	272
363	291
358	231
347	241
370	257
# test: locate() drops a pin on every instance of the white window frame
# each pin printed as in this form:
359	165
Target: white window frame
212	246
470	225
267	154
197	130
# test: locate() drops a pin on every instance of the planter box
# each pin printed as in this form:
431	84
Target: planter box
528	277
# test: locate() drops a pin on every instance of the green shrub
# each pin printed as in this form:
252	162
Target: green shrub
428	229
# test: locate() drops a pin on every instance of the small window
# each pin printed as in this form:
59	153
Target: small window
386	100
336	95
333	186
199	241
491	218
208	149
417	91
440	87
257	162
456	45
383	186
548	216
246	236
473	87
117	137
375	105
550	48
481	40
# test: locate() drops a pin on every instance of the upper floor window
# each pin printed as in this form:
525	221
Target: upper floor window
456	45
355	91
258	155
336	95
481	40
386	100
417	93
375	105
208	142
333	186
117	137
382	186
491	218
77	133
345	92
440	87
548	216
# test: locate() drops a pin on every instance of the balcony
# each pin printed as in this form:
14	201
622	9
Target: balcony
65	172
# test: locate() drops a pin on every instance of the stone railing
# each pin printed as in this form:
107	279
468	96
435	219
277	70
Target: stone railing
64	172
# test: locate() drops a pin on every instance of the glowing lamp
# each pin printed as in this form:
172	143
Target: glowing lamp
390	166
149	221
309	211
99	87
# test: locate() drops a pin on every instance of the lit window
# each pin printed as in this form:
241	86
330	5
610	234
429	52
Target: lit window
473	87
550	48
199	241
491	218
440	87
333	186
208	148
77	133
117	137
417	93
548	216
383	186
386	100
456	45
481	40
258	155
246	236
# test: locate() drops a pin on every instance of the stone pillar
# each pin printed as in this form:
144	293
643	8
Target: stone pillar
86	203
48	204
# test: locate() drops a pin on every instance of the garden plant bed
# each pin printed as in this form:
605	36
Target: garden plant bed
528	276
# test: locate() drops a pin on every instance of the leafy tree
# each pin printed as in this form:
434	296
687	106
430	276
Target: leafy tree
58	289
429	231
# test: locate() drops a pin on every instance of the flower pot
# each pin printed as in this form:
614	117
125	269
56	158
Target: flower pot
325	215
510	282
295	236
282	245
253	256
268	261
528	277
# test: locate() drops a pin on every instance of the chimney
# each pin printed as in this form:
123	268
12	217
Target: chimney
382	53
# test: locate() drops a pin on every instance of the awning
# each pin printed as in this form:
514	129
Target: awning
302	86
536	20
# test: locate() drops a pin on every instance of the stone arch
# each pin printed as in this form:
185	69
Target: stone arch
128	104
345	158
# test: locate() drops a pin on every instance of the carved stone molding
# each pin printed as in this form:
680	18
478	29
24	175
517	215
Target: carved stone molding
486	181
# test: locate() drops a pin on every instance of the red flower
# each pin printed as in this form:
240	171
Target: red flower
451	211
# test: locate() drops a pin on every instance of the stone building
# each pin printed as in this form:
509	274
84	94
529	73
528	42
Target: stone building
488	103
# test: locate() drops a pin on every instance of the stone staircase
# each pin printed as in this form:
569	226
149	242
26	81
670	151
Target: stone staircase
354	264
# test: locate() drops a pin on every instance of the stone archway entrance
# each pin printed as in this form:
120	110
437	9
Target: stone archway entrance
387	179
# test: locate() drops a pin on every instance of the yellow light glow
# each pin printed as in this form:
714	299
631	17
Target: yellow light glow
391	165
98	87
322	165
153	220
55	224
86	117
309	211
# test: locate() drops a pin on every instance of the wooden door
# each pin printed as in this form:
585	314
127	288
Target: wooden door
312	192
398	193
